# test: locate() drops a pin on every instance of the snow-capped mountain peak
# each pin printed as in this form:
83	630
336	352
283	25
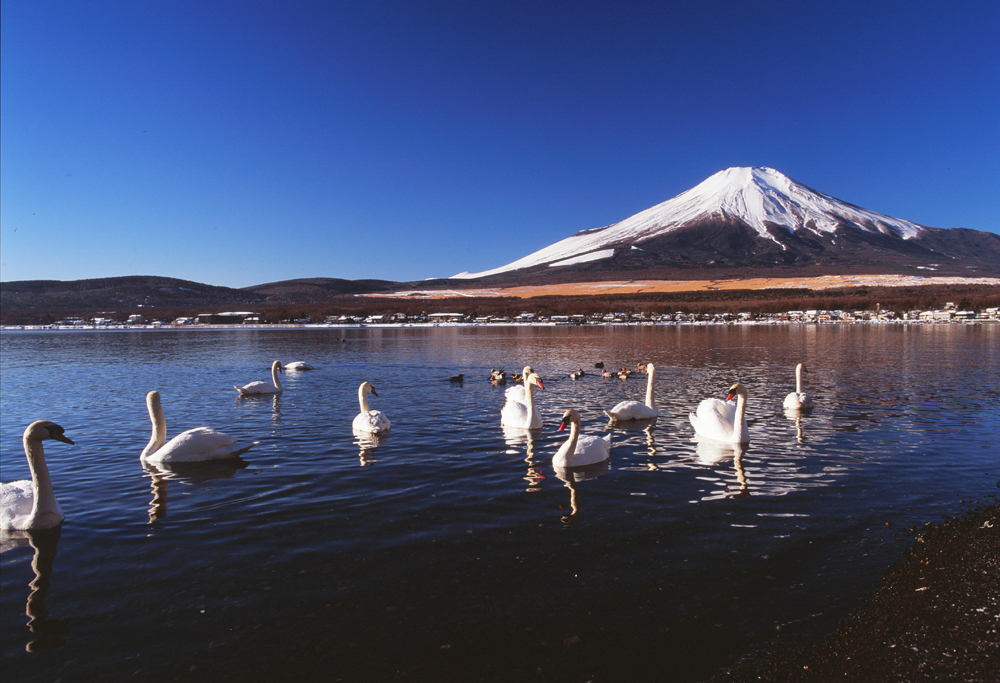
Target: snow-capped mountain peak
760	198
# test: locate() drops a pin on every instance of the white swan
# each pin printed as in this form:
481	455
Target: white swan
580	450
723	420
298	365
26	505
194	445
261	387
369	421
519	410
798	400
633	410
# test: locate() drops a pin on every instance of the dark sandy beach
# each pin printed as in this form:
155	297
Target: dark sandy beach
935	617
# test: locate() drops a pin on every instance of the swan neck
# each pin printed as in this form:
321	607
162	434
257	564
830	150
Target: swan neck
740	417
649	390
41	483
159	424
529	399
363	399
574	436
275	369
798	379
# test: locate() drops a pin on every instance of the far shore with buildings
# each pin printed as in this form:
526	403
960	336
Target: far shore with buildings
948	314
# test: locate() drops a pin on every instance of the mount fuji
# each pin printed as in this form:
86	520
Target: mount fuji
758	218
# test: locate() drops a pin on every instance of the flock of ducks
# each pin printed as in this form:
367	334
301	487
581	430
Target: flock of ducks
31	504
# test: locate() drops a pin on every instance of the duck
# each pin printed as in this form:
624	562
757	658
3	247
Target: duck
634	410
519	410
194	445
369	421
261	387
27	505
723	420
576	374
798	400
459	378
580	450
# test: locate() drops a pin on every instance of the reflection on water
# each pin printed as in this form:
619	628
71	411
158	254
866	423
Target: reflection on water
184	473
367	442
571	478
517	438
362	573
48	633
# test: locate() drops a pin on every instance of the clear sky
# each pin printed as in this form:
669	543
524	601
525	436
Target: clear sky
238	143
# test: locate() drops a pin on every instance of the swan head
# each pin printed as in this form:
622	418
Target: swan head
736	390
43	429
569	417
650	369
366	387
533	378
801	367
277	367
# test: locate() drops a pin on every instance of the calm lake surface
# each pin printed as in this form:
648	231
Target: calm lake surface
451	550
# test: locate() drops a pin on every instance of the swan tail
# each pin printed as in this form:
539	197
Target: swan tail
242	392
245	449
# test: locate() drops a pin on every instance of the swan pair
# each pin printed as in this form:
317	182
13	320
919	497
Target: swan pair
519	410
27	505
260	387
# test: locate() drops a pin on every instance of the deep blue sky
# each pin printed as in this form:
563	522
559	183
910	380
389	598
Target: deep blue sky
237	143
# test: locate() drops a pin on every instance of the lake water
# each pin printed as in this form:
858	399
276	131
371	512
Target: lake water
451	550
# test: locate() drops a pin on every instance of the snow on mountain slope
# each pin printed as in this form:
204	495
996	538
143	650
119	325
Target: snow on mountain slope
757	196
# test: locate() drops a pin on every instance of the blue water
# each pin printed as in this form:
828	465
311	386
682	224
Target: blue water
451	550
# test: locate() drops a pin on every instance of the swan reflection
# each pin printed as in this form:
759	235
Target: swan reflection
185	473
710	452
48	632
516	438
796	417
367	442
571	477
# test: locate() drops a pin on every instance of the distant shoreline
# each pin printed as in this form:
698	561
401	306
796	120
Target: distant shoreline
364	326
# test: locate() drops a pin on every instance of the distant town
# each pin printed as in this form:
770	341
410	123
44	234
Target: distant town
950	313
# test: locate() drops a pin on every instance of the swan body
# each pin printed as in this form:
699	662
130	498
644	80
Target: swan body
580	450
261	387
194	445
27	505
519	410
634	410
298	365
723	420
798	400
369	421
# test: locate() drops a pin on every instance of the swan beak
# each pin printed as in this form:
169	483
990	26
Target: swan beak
730	397
562	426
539	383
373	391
60	437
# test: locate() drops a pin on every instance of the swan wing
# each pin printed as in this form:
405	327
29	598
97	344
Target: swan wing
199	444
371	421
514	414
798	401
631	410
258	387
16	501
516	394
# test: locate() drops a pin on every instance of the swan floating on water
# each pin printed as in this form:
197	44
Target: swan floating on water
798	400
369	421
298	365
723	420
519	410
194	445
27	505
633	410
261	387
580	450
